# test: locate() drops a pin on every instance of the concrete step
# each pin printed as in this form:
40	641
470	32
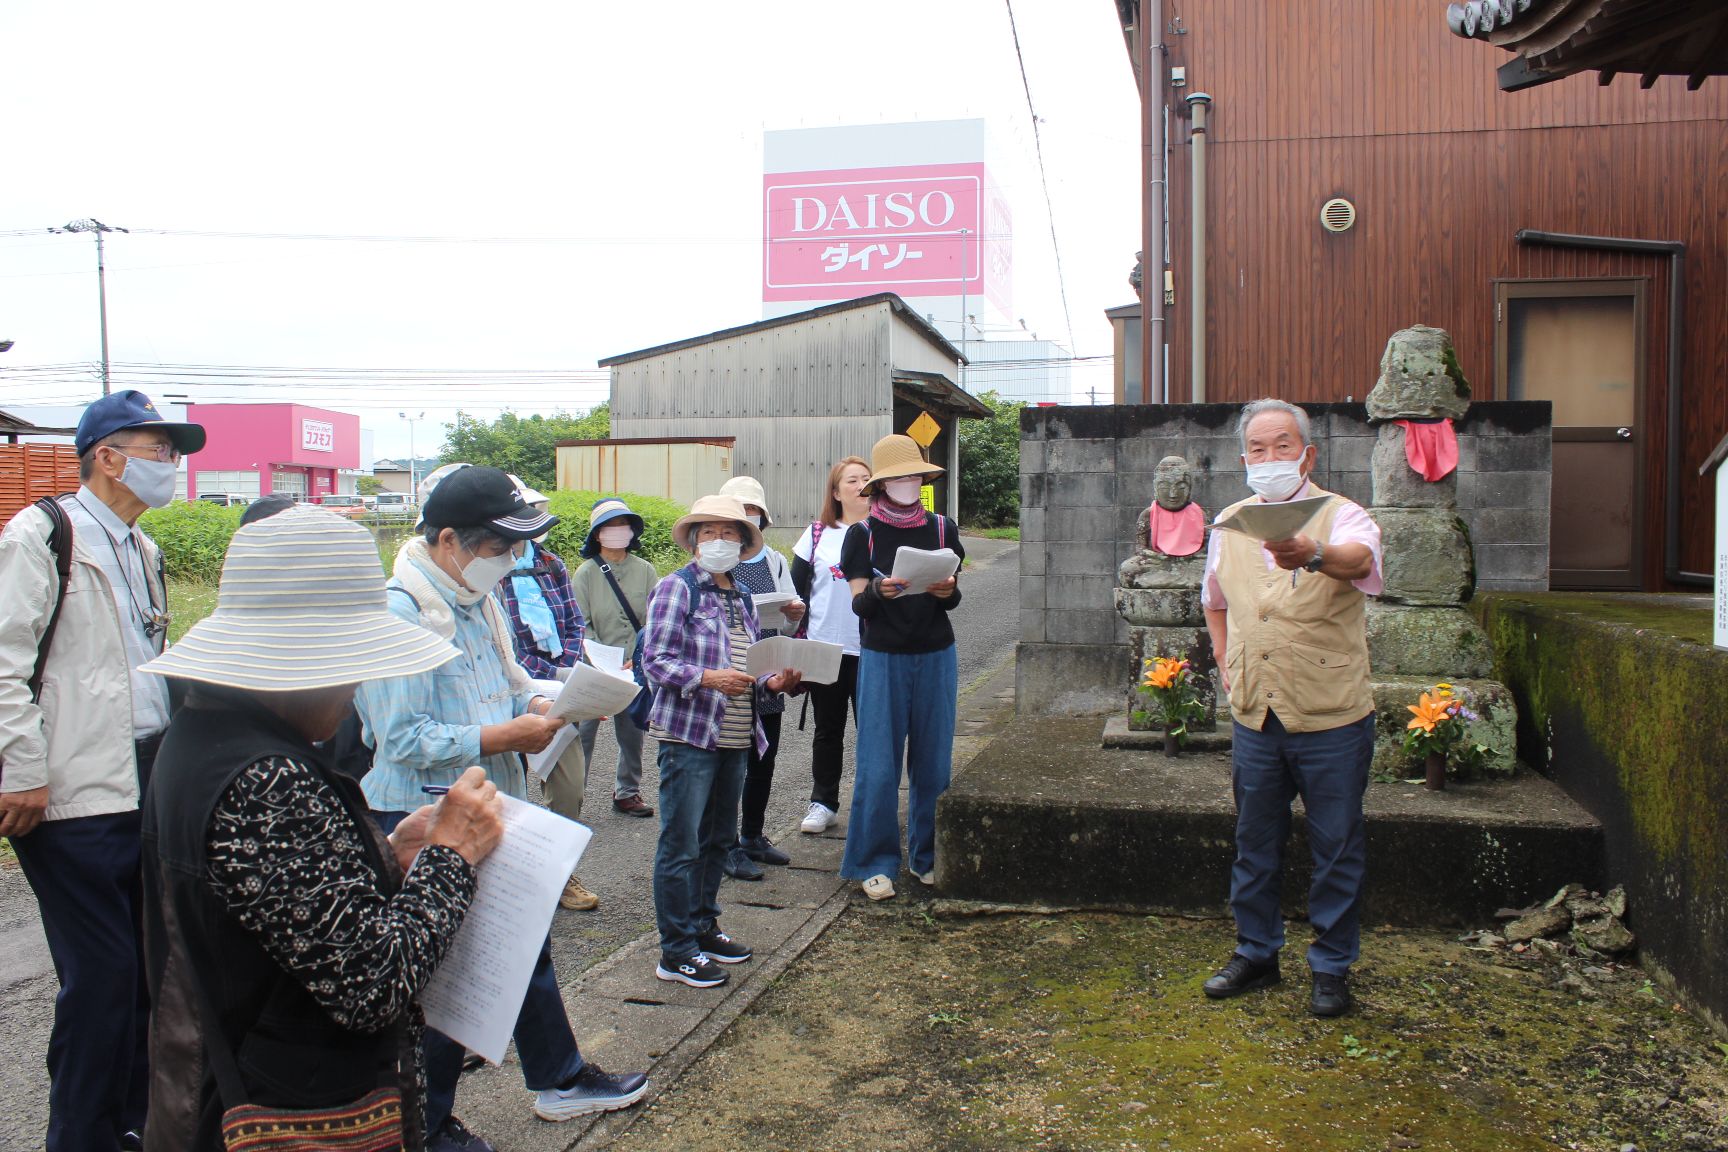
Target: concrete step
1044	816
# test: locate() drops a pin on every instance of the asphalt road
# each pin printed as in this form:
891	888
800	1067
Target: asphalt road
618	864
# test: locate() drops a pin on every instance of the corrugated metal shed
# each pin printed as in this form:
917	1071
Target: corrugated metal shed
796	392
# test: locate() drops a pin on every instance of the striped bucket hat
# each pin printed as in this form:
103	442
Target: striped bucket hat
301	606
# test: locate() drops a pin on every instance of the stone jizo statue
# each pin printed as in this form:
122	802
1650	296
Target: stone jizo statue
1173	525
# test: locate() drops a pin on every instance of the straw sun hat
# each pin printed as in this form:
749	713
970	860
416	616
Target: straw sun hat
301	606
711	510
896	456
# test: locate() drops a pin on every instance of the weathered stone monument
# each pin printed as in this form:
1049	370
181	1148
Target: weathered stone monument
1418	631
1158	589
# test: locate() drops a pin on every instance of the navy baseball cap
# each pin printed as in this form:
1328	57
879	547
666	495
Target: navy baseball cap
481	497
130	409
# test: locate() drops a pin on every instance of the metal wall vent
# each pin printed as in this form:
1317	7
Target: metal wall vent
1337	214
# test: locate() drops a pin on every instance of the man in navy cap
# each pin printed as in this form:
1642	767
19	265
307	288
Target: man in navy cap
76	748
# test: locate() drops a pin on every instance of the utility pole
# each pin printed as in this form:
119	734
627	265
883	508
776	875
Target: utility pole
413	457
97	227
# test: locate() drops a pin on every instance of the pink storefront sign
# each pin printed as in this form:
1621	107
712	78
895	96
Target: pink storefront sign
837	234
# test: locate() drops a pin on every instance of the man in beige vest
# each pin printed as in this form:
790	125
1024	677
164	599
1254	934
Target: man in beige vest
1286	618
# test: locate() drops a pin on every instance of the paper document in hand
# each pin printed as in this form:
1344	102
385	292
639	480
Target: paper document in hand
1273	521
477	992
922	567
590	694
542	762
768	605
605	657
817	661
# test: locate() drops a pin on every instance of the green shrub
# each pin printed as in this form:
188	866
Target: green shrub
990	466
193	536
658	515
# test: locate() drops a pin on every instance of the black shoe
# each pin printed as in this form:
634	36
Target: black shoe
739	866
1241	975
131	1142
721	948
1330	995
762	850
697	971
453	1136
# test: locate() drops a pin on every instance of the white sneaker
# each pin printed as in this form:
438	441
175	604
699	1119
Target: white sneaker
820	818
928	879
879	888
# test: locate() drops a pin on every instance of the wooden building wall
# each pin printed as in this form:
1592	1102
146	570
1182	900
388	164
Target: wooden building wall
1380	104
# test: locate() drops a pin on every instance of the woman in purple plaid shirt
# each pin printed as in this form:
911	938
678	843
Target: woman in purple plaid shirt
705	719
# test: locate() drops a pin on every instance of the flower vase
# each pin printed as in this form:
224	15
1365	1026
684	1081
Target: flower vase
1172	742
1435	772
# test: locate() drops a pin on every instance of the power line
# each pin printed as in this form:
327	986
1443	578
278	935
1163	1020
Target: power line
1043	175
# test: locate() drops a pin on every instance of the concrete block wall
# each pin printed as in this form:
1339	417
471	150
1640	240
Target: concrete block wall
1086	475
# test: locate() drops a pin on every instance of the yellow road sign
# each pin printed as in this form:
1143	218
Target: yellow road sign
924	430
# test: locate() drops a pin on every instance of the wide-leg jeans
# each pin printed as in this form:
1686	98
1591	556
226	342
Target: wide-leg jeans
1329	770
906	705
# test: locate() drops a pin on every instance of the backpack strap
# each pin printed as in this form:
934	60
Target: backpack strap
60	544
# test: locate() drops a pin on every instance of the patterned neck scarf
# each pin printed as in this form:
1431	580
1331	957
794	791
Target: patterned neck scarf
898	515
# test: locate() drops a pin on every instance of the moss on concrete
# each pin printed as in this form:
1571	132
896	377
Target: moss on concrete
908	1028
1628	716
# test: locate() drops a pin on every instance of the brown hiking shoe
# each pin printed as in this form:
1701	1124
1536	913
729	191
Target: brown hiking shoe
631	806
577	898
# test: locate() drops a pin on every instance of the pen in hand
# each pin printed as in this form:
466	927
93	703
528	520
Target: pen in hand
435	789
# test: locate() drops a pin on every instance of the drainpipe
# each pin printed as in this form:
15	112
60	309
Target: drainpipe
1676	253
1199	103
1149	52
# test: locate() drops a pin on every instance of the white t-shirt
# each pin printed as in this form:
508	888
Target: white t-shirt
831	616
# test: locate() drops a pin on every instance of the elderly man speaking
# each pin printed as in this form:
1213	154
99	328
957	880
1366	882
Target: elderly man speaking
1288	618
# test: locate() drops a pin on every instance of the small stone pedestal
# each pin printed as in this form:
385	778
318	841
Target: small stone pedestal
1159	596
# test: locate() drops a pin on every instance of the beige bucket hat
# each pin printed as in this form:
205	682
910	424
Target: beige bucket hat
301	606
896	456
711	510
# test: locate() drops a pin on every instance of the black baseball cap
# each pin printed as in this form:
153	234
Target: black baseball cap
484	498
130	409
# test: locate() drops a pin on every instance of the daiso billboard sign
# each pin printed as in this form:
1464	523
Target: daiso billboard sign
917	230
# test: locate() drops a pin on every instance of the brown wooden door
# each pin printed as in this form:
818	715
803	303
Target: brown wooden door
1580	345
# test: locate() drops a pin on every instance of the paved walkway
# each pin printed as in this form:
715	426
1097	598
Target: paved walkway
626	1019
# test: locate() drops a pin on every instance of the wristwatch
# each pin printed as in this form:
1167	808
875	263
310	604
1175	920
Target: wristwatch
1317	559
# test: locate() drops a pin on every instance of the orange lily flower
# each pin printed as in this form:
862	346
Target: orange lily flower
1430	711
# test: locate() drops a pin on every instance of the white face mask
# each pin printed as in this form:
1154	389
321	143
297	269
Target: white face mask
718	555
616	536
902	491
1275	479
757	520
483	572
152	481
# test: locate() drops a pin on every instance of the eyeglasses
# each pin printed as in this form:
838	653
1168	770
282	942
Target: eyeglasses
166	453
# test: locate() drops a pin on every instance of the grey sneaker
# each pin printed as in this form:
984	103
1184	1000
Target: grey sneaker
593	1090
739	866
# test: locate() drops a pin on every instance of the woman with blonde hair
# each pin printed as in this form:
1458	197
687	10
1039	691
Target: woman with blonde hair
817	577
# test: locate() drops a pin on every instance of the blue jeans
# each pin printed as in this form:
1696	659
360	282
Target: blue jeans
1329	770
699	791
905	707
544	1042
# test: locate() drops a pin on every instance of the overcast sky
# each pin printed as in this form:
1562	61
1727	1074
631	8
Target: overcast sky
625	138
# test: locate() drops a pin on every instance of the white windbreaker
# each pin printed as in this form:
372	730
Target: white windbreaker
78	739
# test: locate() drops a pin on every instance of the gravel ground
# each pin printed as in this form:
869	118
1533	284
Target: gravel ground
618	864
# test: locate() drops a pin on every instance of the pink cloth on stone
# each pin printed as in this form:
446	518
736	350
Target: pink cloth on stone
1179	533
1432	449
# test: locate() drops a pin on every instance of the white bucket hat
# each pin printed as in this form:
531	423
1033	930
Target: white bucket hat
748	490
301	606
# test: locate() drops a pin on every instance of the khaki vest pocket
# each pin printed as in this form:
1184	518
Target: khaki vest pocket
1324	680
1233	664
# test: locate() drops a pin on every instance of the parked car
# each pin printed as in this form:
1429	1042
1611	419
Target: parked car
393	503
345	504
225	499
